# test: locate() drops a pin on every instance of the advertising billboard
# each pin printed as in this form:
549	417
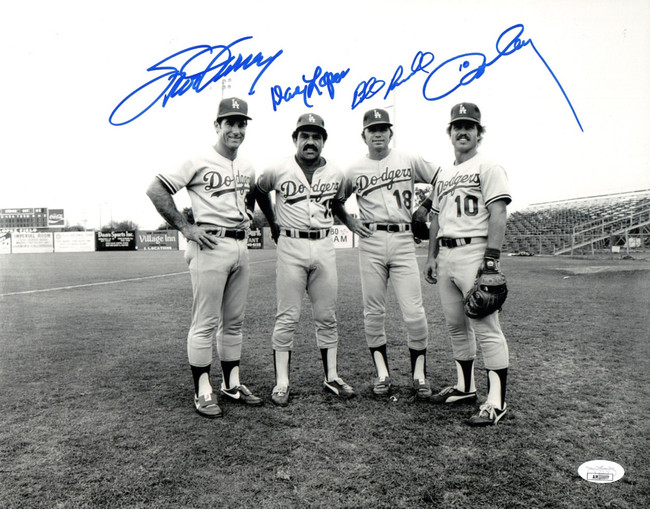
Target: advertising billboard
22	242
157	240
55	218
115	241
74	242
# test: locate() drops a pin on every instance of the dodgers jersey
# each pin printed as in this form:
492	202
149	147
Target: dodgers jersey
217	187
462	194
299	204
385	189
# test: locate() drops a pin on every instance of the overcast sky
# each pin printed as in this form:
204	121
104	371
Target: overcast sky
565	106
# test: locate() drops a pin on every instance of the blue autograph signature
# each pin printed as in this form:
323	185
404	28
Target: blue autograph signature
326	80
508	43
367	89
203	66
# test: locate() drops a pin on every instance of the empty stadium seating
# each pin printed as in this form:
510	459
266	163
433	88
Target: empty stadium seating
581	225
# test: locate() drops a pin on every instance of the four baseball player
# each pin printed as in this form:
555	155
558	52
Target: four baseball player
468	202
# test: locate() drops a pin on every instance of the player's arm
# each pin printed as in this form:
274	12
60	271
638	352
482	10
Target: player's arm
431	265
497	224
496	193
496	234
262	196
423	211
250	202
354	224
263	199
163	200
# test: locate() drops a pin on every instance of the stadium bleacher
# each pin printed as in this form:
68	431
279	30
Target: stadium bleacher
581	225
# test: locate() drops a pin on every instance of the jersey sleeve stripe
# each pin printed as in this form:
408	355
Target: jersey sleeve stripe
168	185
435	176
504	197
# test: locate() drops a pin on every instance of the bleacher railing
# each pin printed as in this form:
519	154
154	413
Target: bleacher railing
618	223
634	217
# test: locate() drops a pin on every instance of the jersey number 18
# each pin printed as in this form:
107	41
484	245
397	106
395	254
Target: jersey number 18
405	199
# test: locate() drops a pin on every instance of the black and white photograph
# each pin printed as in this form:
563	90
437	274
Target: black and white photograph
357	254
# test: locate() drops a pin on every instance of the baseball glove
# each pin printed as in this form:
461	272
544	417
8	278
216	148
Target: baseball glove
420	230
488	293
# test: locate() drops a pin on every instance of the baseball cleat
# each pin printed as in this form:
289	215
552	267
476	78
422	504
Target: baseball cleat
488	414
381	386
280	395
451	395
242	394
422	389
207	405
339	388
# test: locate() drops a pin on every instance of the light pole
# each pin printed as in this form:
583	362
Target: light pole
394	119
225	83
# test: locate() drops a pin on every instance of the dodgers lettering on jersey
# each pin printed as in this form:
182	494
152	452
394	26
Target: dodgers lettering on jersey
462	194
299	204
217	187
385	189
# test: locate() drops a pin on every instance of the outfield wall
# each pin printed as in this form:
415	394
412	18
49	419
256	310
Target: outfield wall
133	240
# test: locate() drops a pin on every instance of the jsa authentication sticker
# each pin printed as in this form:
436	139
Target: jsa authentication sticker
601	471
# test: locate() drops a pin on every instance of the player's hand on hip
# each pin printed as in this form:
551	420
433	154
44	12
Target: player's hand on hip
356	226
201	237
431	271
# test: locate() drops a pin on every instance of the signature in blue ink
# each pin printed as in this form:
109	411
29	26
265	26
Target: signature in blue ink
320	79
367	89
203	65
508	42
473	65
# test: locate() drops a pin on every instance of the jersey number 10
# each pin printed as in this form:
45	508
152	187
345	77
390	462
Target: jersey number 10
469	206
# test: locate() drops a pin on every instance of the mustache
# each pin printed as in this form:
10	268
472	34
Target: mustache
313	147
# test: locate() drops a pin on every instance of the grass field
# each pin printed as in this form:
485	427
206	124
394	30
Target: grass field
97	406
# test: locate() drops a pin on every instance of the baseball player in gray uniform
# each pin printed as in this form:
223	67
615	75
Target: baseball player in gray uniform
305	186
467	232
219	184
384	184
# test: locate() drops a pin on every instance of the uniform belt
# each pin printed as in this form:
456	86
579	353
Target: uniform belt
233	234
389	227
447	242
307	234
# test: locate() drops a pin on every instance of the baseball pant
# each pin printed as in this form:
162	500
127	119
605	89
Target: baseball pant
384	256
305	265
220	278
457	268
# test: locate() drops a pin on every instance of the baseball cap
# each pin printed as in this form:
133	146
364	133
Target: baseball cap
311	121
233	107
466	111
376	116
